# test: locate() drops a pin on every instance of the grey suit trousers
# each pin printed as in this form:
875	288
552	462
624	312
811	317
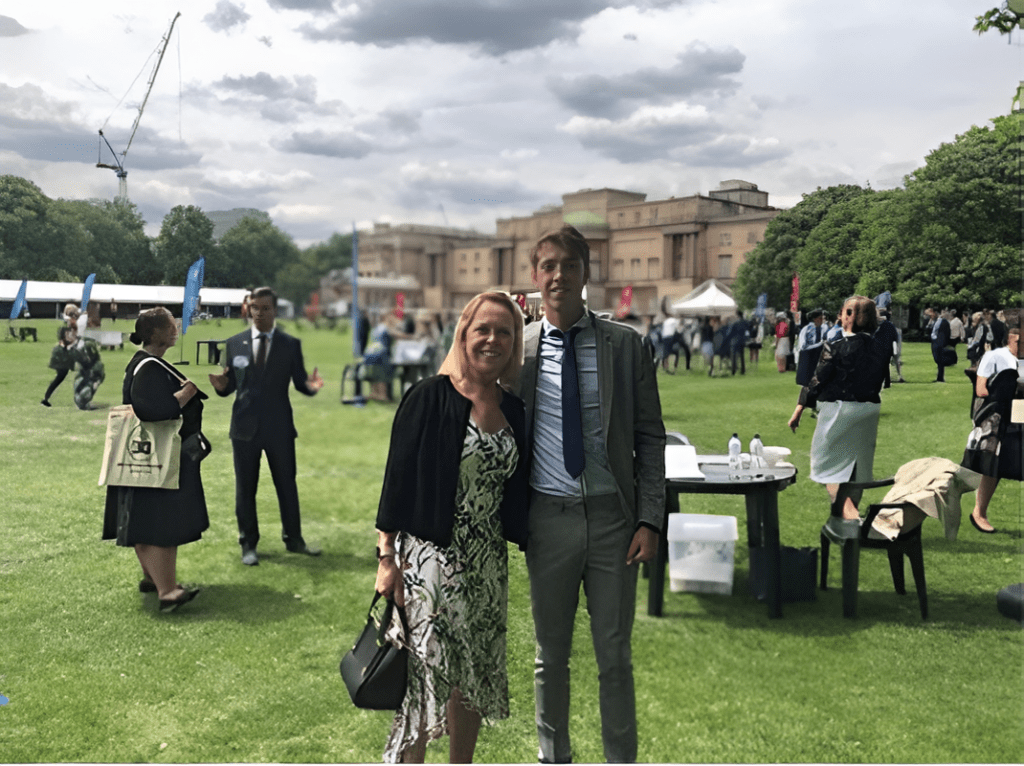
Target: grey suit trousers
573	541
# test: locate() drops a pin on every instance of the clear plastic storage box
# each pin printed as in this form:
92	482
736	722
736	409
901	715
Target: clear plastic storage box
701	552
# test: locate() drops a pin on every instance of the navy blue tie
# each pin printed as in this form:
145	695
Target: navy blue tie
572	418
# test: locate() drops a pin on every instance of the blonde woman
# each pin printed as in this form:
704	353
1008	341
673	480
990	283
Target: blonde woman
845	389
454	491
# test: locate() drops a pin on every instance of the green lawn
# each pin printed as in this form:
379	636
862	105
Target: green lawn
248	671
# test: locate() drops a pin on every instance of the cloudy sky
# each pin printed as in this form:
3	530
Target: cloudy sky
325	112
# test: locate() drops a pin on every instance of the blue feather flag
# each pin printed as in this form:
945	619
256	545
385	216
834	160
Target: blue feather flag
19	301
762	305
357	349
193	284
87	291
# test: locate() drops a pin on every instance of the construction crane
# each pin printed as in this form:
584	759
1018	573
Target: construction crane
122	174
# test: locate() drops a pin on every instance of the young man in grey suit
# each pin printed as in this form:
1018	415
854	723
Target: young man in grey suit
262	361
597	481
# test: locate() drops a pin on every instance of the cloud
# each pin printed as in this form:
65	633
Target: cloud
425	185
11	28
649	133
698	70
406	121
279	99
732	151
225	16
496	27
263	85
232	181
38	127
347	144
317	6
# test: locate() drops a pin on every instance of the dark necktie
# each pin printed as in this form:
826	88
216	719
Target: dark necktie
817	334
572	418
261	352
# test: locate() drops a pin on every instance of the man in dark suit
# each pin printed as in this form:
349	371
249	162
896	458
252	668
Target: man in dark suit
938	328
261	362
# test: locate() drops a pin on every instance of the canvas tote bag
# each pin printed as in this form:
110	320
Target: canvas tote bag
139	453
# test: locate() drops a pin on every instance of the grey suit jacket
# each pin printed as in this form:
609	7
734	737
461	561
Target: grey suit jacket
634	433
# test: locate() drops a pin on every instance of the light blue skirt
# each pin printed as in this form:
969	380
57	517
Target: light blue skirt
843	447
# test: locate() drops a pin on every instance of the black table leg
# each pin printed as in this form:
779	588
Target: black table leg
763	532
656	583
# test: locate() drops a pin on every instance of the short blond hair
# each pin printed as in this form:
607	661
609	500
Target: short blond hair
456	363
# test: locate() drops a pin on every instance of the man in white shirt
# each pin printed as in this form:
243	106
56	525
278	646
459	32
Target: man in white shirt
669	341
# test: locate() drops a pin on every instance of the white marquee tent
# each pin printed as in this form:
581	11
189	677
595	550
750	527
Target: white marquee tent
709	299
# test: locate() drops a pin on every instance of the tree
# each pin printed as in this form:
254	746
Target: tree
1005	19
770	266
951	237
254	251
831	263
28	238
108	237
185	236
959	230
297	279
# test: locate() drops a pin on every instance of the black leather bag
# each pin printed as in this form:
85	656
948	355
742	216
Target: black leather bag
949	357
374	669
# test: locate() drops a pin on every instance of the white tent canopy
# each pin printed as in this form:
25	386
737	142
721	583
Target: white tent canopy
710	298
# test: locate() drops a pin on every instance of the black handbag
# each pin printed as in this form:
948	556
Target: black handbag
374	669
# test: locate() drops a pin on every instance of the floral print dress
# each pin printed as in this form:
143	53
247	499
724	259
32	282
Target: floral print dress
456	600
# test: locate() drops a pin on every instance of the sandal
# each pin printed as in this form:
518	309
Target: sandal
170	604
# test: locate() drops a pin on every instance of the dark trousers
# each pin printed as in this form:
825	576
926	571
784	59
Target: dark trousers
937	356
61	374
737	355
281	458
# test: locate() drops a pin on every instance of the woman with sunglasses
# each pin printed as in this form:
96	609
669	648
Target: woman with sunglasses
845	389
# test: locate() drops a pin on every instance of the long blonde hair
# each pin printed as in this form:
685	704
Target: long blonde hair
456	363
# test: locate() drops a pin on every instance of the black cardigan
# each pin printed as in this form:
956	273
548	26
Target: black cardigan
422	473
851	369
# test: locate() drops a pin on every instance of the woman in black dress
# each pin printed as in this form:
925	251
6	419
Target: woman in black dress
156	521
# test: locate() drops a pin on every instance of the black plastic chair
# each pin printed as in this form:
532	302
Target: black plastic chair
851	536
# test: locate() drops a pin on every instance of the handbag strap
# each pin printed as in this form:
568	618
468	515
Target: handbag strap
163	364
385	620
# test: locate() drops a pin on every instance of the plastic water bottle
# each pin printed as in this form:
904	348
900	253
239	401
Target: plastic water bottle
735	462
756	452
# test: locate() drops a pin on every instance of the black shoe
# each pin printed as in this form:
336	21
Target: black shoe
147	586
977	526
249	557
170	604
304	549
45	403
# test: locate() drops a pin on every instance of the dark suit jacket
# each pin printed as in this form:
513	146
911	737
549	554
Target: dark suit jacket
941	339
262	403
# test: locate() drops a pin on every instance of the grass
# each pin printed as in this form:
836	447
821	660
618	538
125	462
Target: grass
248	671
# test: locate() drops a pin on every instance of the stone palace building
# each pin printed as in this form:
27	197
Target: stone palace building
662	249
